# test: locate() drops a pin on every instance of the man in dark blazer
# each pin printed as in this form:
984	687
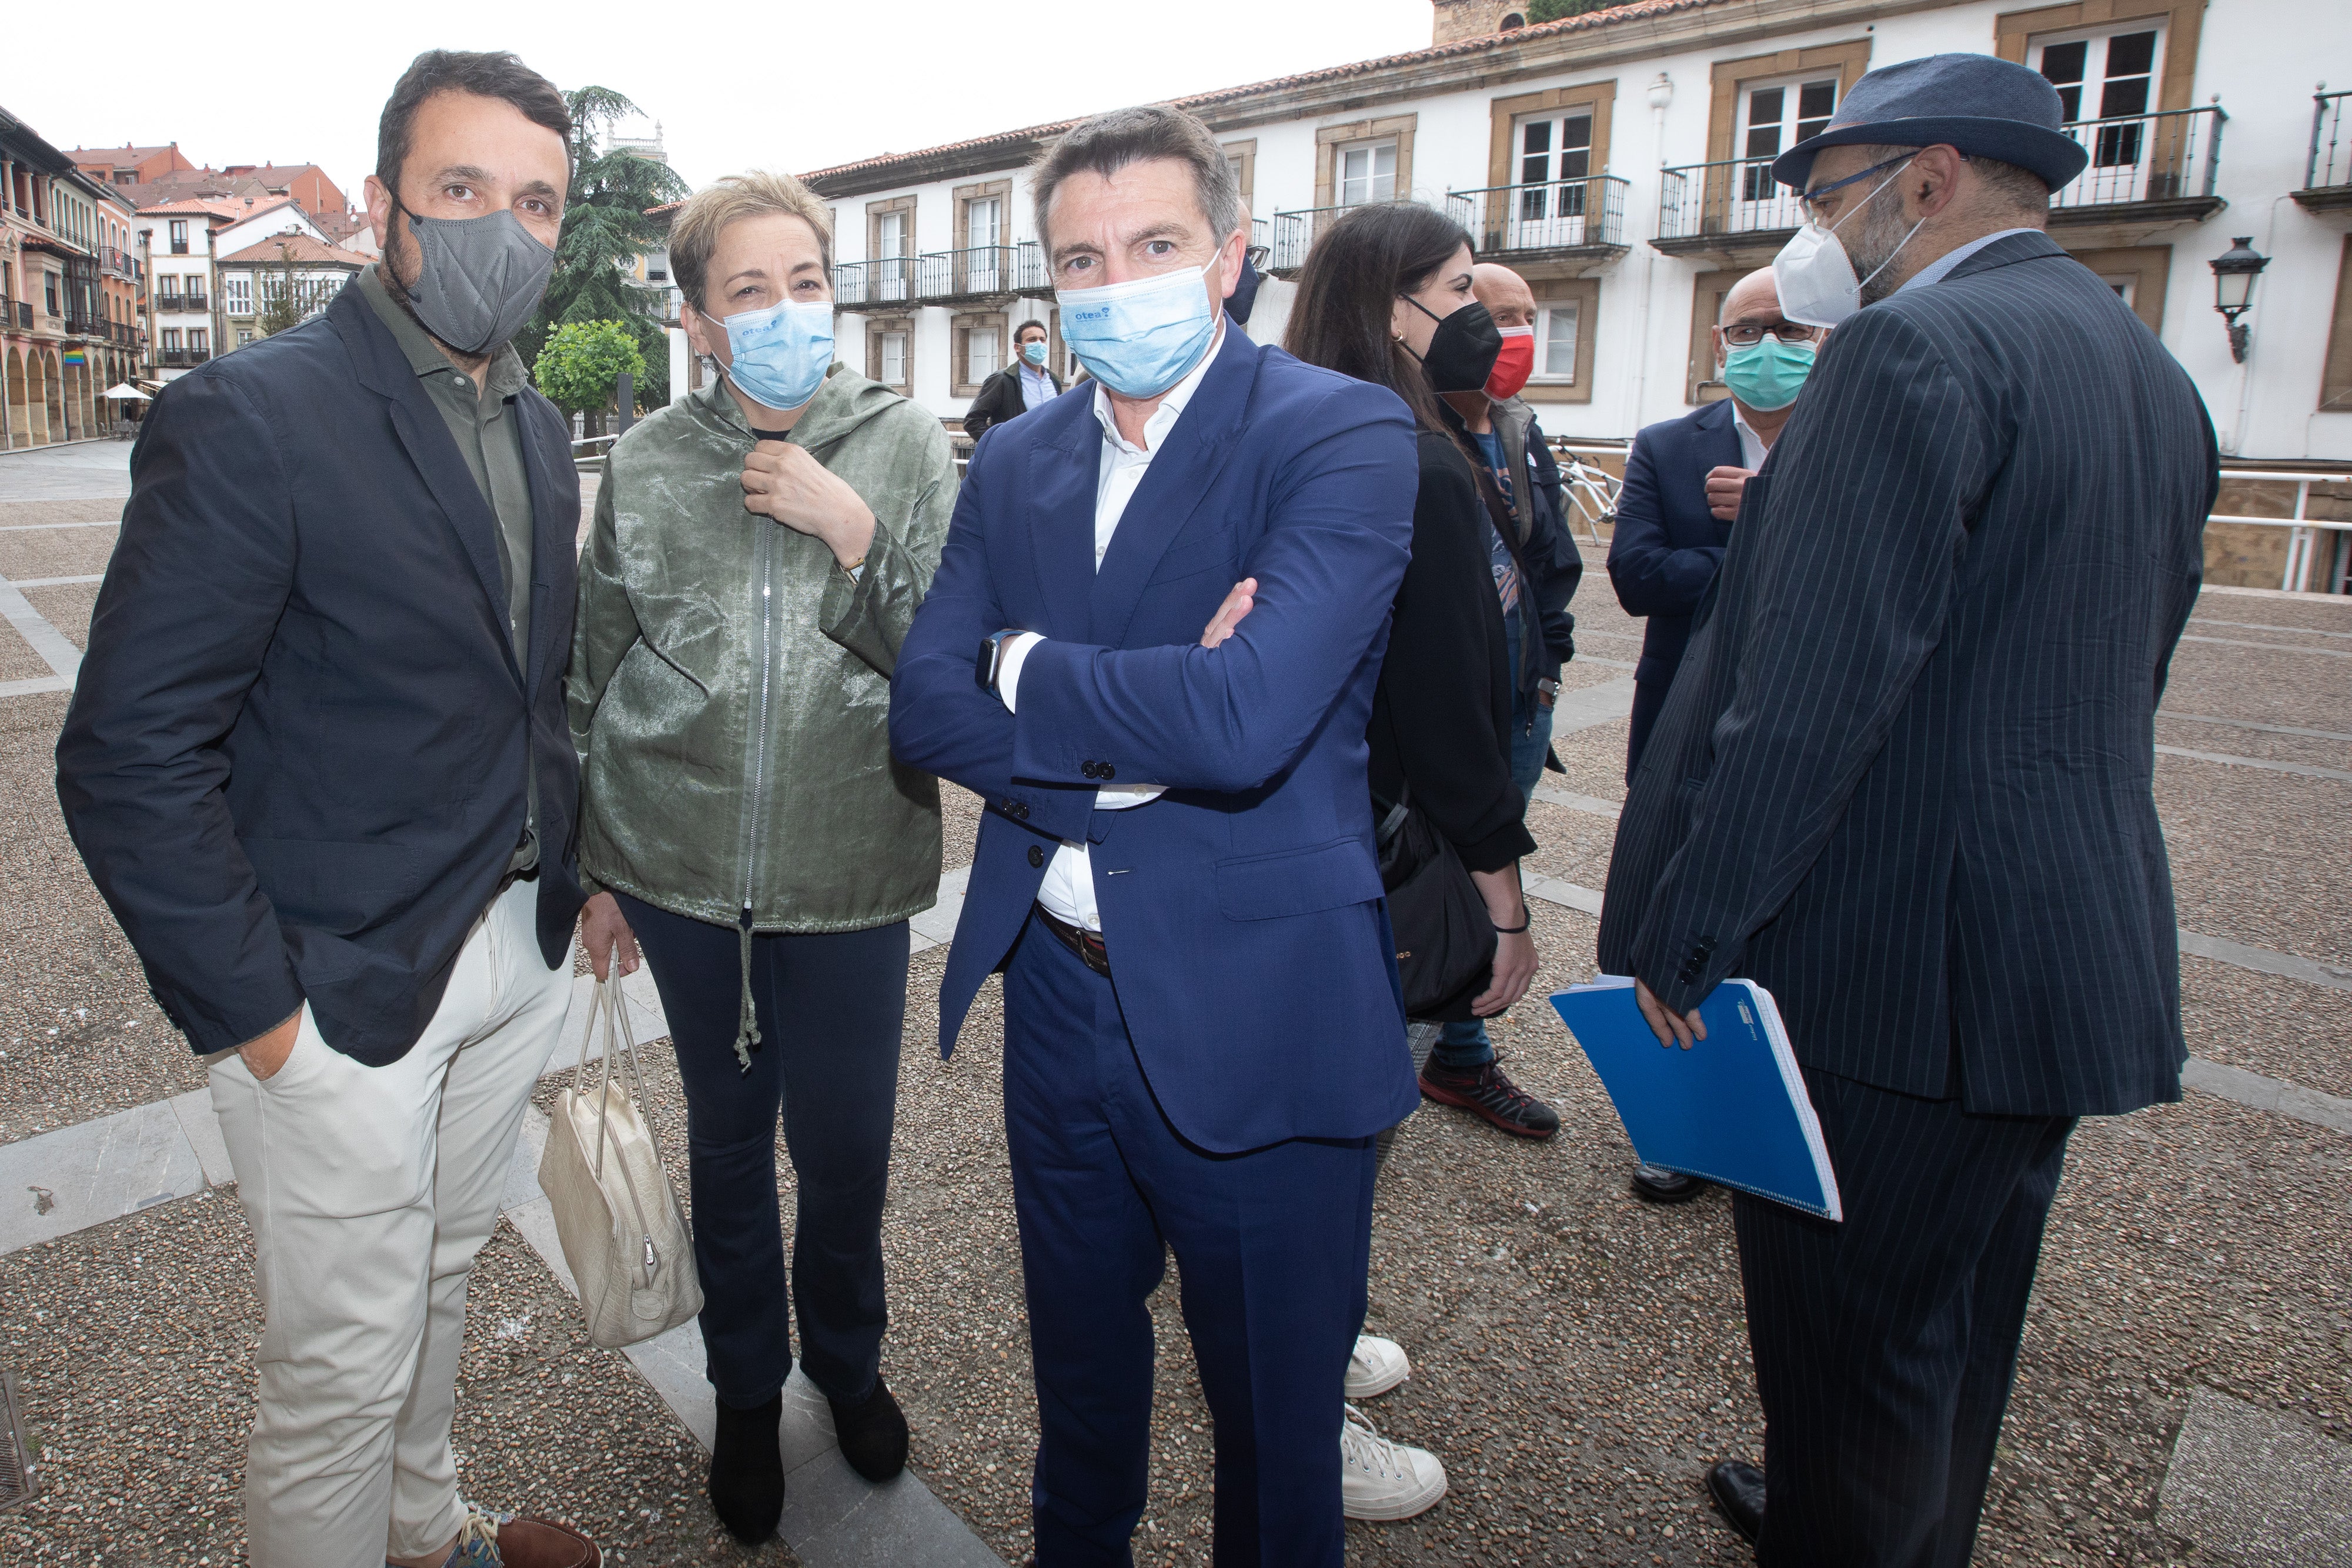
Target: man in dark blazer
319	766
1903	781
1176	871
1683	483
1027	383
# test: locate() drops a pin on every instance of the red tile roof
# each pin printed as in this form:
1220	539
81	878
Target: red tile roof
1205	102
296	247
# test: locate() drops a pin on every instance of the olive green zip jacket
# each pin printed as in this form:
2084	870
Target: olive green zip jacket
730	682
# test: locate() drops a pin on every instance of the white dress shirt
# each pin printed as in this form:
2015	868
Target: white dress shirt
1751	445
1037	387
1067	893
1941	267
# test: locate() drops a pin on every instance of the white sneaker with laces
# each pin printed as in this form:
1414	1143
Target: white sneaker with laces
1376	1366
1384	1480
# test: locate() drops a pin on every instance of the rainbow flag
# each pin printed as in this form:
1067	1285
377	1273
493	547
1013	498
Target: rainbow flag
75	356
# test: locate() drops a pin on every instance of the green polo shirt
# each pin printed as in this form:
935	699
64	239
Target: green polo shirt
489	437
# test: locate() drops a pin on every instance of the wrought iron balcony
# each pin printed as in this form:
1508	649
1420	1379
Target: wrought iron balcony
175	359
873	284
980	272
2149	167
1294	235
24	314
1556	219
117	262
1712	206
2328	177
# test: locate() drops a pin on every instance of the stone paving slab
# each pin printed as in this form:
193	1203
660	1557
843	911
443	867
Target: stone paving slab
2258	1488
94	1172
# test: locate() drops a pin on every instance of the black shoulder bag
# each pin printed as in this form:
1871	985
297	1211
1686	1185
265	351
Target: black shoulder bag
1445	940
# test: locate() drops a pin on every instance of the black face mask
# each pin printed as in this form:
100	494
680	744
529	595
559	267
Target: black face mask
1463	351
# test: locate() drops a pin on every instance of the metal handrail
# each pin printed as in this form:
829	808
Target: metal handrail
1551	214
2297	577
889	281
1296	232
1729	196
2328	122
979	271
2164	156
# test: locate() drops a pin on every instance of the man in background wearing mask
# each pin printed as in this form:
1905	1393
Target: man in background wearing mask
1903	782
1535	574
1683	483
317	763
1160	688
1027	383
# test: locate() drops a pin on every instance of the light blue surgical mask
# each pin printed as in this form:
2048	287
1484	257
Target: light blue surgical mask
1767	374
1141	337
780	354
1033	351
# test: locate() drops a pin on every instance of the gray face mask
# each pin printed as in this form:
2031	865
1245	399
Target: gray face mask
479	280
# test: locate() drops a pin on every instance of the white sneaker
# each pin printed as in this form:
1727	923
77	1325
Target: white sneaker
1376	1365
1380	1480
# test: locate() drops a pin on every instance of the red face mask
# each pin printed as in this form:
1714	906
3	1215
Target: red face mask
1514	365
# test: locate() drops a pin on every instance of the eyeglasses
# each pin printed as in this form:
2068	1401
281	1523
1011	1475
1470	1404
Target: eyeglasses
1747	337
1812	198
1257	255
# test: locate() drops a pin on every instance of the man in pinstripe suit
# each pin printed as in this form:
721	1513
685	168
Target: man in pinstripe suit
1903	780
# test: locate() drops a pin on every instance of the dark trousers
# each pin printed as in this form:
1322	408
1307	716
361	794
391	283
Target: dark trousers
831	1011
1271	1245
1885	1345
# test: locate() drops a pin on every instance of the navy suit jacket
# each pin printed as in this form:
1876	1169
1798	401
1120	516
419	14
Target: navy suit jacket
1242	910
1667	546
1905	777
294	764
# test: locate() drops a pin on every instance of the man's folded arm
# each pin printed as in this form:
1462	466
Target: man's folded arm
1874	484
940	719
1228	718
198	581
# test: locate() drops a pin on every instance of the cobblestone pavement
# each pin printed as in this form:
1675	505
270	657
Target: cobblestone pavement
1578	1357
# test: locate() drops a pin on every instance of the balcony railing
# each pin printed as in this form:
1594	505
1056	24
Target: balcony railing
24	314
1294	235
980	272
891	281
2331	144
1587	215
175	359
2169	156
117	262
180	302
1702	201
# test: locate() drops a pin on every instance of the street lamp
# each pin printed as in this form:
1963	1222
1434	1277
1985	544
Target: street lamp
2233	288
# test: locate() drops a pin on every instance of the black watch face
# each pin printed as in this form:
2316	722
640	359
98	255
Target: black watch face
983	668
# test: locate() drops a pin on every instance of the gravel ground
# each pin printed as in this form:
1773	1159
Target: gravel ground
2229	740
1595	760
2255	684
18	662
2280	1028
1571	845
2255	855
68	607
134	1344
959	813
55	552
91	508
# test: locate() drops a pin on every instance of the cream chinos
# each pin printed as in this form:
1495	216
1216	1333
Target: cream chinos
369	1190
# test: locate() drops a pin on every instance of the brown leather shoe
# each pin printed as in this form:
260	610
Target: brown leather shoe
525	1543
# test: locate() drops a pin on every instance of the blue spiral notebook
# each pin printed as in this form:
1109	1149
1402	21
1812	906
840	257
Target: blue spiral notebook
1733	1108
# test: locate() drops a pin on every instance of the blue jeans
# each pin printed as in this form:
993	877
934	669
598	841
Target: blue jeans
1464	1045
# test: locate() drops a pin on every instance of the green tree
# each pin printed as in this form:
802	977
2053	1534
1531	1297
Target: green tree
1541	11
577	366
605	229
283	298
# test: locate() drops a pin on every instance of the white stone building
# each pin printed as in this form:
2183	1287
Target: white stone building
1618	158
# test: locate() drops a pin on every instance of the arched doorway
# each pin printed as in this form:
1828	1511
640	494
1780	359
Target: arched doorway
14	422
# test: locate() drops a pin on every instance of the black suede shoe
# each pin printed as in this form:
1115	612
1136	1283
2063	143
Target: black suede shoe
872	1433
747	1470
1656	1184
1737	1490
1487	1094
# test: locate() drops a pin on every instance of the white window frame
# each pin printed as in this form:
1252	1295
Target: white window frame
237	293
1548	210
1371	179
2120	154
1755	184
1547	312
898	340
977	367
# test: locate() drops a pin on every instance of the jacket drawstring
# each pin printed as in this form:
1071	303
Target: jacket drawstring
747	1019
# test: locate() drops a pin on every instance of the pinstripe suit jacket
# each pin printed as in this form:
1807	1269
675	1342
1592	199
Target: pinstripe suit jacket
1903	779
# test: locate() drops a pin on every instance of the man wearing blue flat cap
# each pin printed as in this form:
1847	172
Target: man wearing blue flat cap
1903	780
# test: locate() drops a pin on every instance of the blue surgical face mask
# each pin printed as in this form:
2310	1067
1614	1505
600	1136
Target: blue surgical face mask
1767	374
1033	351
1141	337
780	354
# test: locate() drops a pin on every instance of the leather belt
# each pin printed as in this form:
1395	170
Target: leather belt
1086	944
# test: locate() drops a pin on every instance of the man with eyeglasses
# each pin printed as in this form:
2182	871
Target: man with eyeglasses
1683	480
1903	782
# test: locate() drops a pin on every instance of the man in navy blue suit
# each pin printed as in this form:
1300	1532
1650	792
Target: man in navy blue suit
1683	483
1905	780
1176	871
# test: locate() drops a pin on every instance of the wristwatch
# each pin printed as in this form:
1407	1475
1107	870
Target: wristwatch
990	663
1546	692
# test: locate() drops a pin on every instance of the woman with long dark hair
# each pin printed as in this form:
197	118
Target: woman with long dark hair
1385	296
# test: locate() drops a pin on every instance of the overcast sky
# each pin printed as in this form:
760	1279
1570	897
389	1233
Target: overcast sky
825	84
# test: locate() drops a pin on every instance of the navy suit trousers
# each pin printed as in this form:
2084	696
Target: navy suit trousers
1885	1345
831	1006
1271	1246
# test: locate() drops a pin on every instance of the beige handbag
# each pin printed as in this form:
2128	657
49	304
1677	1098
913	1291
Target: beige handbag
615	1212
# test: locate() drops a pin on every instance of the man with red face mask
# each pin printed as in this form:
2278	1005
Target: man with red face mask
1535	574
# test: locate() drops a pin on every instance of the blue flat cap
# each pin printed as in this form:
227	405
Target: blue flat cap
1987	108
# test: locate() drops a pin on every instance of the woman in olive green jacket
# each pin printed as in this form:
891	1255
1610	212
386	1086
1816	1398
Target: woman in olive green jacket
757	551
